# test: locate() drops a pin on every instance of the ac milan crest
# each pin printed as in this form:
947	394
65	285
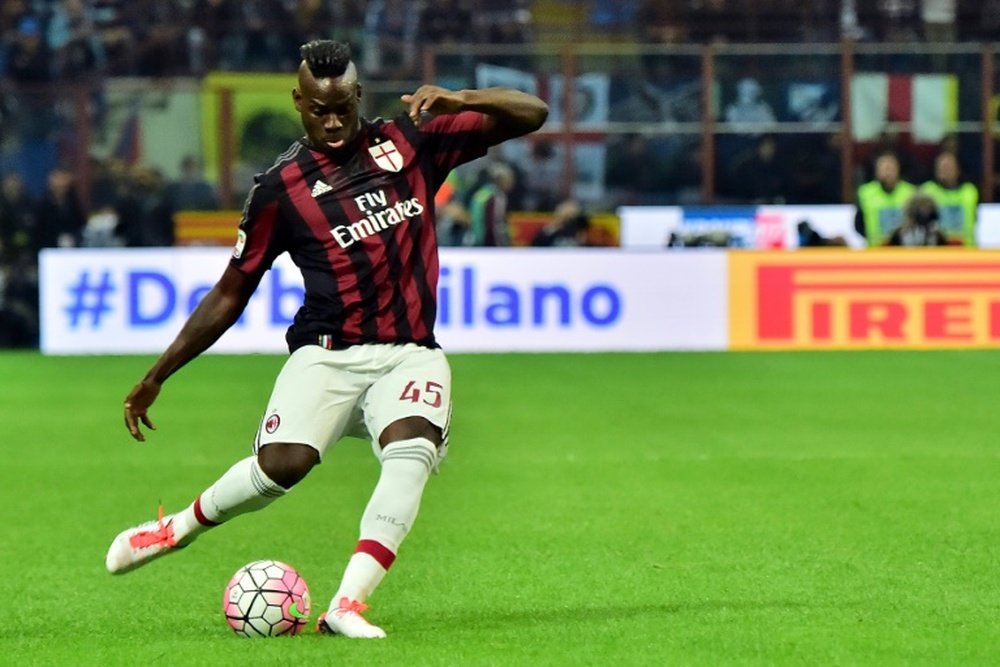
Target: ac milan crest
272	423
387	156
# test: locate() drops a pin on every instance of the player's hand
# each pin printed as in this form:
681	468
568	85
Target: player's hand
433	100
136	406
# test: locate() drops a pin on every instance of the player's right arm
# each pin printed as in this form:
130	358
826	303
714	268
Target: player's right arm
256	247
218	311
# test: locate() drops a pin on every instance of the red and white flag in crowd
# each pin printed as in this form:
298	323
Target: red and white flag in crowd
927	102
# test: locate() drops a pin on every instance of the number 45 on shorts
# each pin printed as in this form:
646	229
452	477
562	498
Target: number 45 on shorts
429	394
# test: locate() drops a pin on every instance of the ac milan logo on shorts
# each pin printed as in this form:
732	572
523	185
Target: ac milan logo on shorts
272	423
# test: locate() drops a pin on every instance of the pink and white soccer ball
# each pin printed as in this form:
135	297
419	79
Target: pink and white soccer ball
266	598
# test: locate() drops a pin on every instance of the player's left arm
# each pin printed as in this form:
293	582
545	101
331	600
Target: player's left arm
509	113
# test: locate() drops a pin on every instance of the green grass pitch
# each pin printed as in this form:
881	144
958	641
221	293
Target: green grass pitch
628	509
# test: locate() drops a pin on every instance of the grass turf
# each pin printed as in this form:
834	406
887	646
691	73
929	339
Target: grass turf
636	509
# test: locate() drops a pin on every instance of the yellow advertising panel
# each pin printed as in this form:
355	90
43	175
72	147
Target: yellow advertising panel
263	120
843	299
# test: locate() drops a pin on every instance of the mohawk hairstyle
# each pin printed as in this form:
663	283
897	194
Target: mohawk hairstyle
326	58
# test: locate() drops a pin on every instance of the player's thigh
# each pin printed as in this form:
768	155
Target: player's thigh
418	384
314	400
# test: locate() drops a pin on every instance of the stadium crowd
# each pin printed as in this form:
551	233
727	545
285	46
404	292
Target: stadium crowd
50	39
49	42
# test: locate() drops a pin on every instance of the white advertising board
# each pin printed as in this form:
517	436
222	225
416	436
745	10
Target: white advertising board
759	227
122	301
988	227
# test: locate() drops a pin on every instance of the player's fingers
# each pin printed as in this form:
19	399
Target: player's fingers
131	425
147	421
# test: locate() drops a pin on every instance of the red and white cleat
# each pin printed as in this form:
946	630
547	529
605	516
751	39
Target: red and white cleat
347	620
139	545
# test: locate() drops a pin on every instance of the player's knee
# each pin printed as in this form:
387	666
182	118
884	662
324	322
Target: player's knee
410	427
285	463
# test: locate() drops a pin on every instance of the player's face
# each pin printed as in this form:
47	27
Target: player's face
330	110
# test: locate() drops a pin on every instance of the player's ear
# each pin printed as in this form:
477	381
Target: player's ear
297	99
357	91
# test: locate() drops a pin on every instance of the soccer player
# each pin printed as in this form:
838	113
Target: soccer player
352	204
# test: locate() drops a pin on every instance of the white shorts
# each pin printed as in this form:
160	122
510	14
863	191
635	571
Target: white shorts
321	396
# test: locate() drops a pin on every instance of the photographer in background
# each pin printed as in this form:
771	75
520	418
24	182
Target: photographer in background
921	226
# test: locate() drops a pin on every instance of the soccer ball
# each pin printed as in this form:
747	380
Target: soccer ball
266	598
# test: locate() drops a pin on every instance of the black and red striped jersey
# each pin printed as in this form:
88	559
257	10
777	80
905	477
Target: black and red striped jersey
360	228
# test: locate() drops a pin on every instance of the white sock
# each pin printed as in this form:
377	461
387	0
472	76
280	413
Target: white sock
241	489
406	466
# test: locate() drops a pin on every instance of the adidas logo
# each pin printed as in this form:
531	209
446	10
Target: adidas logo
320	188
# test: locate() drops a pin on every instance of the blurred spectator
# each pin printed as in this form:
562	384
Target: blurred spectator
107	181
73	38
390	38
453	217
445	22
660	22
957	201
108	186
28	57
116	35
715	21
881	201
614	17
19	303
191	192
920	226
313	19
813	21
60	216
759	175
502	23
349	22
850	23
938	17
253	34
488	208
815	176
982	20
810	238
750	110
910	167
568	228
453	225
749	115
160	37
146	218
101	229
17	219
889	20
637	170
11	13
544	186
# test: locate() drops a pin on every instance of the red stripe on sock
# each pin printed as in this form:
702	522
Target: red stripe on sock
200	516
377	551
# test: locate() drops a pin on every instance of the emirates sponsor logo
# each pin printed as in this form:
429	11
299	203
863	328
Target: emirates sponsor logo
379	215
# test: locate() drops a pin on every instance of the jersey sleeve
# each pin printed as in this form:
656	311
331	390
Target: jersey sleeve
455	139
258	241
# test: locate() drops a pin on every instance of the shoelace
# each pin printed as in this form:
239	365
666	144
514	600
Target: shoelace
163	535
345	604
